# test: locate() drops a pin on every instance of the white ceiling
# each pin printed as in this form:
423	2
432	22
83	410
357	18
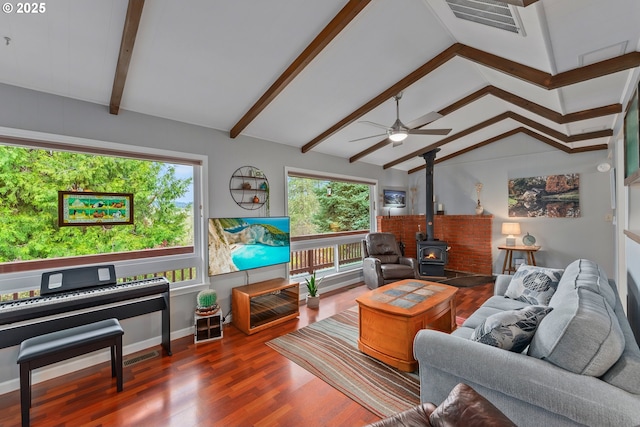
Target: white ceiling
207	62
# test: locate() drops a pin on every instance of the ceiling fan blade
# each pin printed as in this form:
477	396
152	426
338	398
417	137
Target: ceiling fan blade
429	131
396	144
373	124
367	137
424	120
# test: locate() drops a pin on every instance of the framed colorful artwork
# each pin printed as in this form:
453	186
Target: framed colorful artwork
88	208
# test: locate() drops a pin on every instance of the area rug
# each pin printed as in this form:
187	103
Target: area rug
329	350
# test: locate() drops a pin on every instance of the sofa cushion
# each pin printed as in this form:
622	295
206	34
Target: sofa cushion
479	316
503	303
387	259
396	271
581	334
534	285
586	273
512	329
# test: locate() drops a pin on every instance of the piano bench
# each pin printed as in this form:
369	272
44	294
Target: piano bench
61	345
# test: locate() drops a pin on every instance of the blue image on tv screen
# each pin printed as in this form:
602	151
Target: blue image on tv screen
237	244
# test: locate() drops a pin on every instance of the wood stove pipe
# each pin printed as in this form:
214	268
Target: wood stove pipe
430	157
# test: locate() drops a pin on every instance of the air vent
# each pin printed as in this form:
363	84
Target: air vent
495	14
141	358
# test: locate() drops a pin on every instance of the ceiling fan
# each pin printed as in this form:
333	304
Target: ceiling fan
398	131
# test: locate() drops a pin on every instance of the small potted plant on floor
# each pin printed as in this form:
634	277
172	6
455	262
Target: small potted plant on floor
313	300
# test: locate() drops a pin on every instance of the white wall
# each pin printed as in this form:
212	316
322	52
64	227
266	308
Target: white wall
562	239
28	110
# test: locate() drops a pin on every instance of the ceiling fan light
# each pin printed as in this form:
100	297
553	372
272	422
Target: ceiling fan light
398	136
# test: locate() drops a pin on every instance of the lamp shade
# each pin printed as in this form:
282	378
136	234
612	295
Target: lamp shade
510	228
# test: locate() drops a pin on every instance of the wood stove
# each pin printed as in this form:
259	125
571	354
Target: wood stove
432	253
432	257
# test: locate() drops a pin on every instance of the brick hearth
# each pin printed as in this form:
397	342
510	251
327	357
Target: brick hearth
469	237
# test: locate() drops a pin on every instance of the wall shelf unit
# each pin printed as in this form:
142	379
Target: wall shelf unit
249	188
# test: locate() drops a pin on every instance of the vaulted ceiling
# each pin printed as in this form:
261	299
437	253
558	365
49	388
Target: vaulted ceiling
308	73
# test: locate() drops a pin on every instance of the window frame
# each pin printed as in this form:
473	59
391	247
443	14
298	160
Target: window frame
26	275
312	174
299	243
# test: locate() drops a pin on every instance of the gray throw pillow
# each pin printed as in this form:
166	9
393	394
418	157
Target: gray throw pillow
534	285
512	329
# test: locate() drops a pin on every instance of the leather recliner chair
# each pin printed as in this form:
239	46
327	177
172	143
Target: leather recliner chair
383	261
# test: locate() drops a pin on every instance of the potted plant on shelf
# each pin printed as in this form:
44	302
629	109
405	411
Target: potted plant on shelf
206	302
313	299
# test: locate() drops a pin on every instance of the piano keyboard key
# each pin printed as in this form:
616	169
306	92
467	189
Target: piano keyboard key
10	306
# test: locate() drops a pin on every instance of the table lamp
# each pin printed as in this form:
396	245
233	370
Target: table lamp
510	228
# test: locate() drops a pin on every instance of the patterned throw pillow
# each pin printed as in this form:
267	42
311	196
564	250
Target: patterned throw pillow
511	330
534	285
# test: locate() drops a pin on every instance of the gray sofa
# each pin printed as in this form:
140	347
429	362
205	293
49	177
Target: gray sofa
582	366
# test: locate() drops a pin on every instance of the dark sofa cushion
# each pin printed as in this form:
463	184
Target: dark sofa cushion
511	329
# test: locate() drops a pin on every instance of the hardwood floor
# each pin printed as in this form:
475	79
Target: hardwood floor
236	381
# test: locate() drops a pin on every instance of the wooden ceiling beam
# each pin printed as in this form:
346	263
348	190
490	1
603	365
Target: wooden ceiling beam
592	71
407	81
507	115
448	139
456	105
129	33
550	114
473	147
512	68
322	40
517	101
512	132
559	135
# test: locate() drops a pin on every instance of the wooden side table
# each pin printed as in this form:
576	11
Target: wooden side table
507	266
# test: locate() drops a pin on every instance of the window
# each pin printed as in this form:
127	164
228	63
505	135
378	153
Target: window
329	215
161	241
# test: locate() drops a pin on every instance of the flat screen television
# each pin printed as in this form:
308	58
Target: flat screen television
238	244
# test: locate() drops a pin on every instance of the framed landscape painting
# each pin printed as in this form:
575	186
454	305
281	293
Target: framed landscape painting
553	196
88	208
394	198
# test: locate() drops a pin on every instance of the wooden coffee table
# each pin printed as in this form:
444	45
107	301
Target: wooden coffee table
392	315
